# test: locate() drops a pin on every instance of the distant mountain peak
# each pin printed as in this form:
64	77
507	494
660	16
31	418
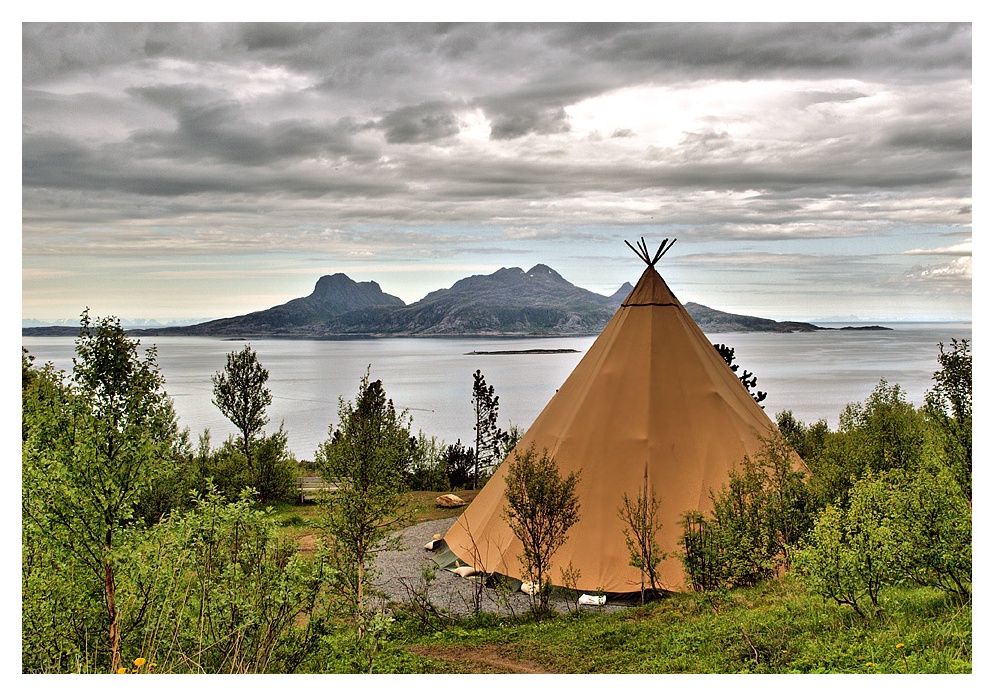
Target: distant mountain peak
621	293
334	284
509	301
541	271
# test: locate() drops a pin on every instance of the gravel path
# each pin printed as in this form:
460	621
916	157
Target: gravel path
400	572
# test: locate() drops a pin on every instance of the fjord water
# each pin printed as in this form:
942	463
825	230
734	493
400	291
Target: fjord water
813	374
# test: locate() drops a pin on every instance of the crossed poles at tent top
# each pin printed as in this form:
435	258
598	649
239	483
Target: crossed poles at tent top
643	251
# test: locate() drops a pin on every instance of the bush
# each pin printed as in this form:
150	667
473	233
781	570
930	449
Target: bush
898	528
884	432
935	528
759	517
427	469
273	474
949	407
459	465
702	556
218	590
807	440
854	550
541	506
275	469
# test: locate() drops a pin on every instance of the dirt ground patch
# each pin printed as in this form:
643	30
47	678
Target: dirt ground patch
481	660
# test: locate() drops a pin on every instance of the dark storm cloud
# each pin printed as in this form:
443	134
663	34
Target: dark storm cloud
518	123
221	132
956	137
423	123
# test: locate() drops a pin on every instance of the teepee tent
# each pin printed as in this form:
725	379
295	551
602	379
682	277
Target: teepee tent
651	401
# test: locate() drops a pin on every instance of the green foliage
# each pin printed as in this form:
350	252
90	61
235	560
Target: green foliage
366	456
227	470
642	525
276	468
949	406
511	438
63	610
241	395
882	433
170	488
934	524
898	527
758	518
459	465
702	556
346	650
807	440
854	551
541	506
92	448
427	469
218	590
489	437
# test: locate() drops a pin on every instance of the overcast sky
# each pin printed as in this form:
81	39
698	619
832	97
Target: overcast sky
808	171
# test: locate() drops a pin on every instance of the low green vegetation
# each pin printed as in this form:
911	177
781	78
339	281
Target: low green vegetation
144	553
775	627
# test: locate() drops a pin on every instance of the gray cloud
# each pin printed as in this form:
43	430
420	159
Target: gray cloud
423	123
209	135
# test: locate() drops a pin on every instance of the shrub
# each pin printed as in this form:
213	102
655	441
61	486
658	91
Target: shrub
541	506
854	550
882	433
759	517
934	525
642	524
275	468
459	465
427	469
807	440
949	406
702	557
219	590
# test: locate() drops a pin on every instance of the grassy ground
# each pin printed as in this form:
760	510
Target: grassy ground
299	520
776	628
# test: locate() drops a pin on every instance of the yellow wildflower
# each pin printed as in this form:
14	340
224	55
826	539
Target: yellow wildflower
900	645
122	670
139	661
869	664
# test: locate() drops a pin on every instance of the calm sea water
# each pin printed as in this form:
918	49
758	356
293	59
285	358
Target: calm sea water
813	374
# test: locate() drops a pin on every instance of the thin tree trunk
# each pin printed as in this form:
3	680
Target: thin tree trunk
359	599
115	636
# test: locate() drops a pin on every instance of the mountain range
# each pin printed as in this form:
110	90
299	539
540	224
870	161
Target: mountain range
508	302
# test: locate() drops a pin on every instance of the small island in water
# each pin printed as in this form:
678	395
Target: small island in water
533	351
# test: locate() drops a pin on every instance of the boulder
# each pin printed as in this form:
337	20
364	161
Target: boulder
449	501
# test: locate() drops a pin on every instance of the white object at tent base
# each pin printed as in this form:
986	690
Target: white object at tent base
465	571
529	588
595	600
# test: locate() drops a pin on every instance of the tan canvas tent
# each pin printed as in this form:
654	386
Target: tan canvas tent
651	398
